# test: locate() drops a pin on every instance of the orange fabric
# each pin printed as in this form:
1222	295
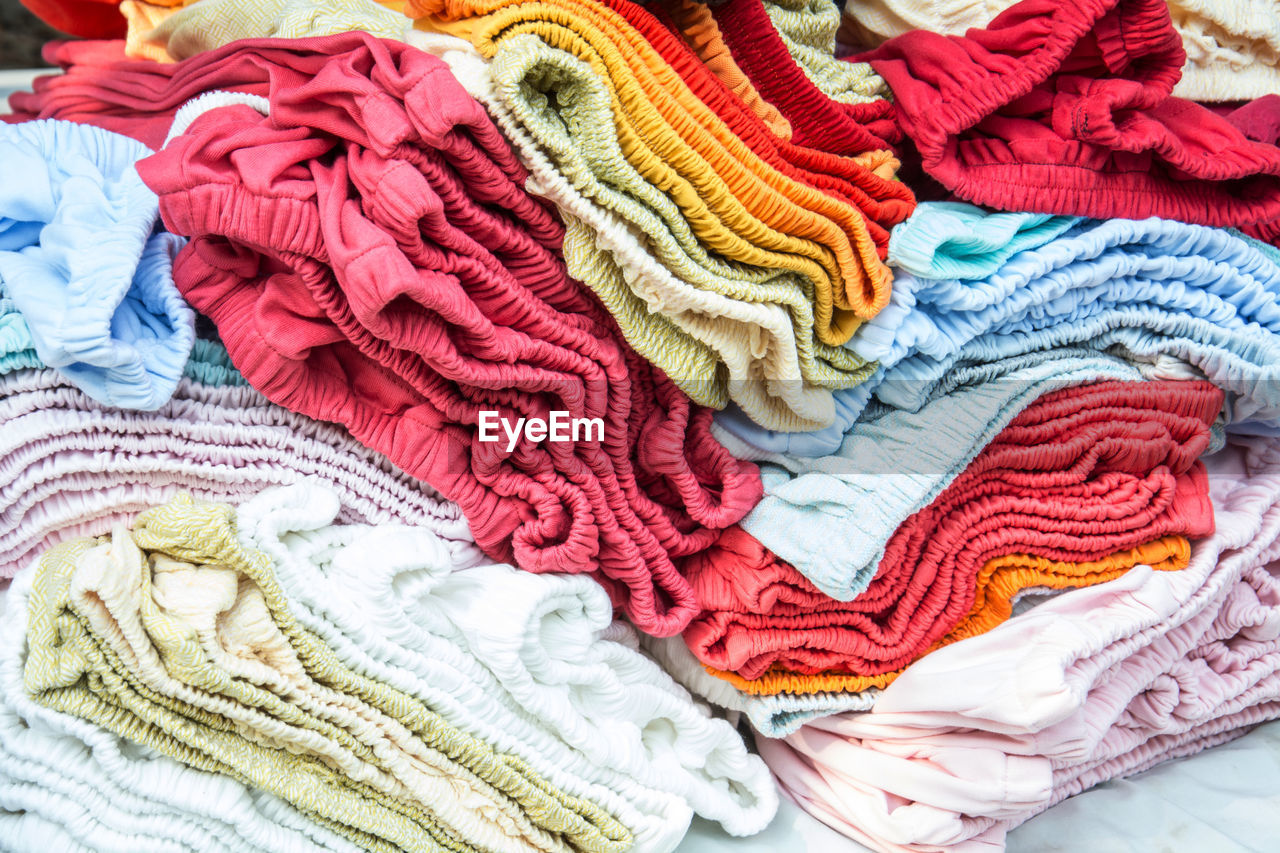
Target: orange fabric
999	582
142	18
700	31
737	203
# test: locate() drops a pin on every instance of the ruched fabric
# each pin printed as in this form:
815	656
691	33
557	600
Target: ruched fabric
69	785
534	664
750	197
1232	46
1063	106
1096	477
1093	685
192	650
73	468
1154	292
833	106
503	330
79	261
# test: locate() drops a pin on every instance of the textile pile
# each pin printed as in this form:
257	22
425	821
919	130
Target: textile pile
526	426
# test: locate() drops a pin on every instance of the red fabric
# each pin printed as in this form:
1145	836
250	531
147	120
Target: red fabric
1064	106
1080	474
883	203
369	256
93	19
816	120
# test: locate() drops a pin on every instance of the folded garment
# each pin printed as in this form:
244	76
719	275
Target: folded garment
1061	106
787	50
1095	684
696	25
772	715
169	33
656	485
190	647
71	468
531	663
80	262
775	367
1232	47
750	198
66	784
94	19
1147	290
1078	476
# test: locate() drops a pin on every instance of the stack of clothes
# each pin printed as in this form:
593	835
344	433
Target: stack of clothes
917	373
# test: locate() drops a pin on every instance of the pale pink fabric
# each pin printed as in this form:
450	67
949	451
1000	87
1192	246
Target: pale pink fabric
70	467
977	737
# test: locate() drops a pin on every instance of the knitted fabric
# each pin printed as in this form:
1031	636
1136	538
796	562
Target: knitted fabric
80	262
753	33
1148	291
66	784
1232	47
531	662
745	194
208	24
808	29
1096	684
1078	476
1065	107
655	486
177	637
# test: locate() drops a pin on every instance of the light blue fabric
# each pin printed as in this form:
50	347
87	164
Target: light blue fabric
209	364
1145	290
832	516
79	259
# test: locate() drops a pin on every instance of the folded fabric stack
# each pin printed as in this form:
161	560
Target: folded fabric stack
961	509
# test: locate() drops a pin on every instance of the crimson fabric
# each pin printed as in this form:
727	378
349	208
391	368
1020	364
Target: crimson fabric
1081	474
1064	106
94	19
883	202
369	256
816	120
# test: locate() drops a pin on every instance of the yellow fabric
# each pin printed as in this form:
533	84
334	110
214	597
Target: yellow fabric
142	19
175	636
208	24
738	205
700	31
998	583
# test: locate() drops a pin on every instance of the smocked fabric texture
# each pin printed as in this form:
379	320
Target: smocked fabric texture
1109	681
79	261
196	652
1232	47
541	651
1078	476
1065	107
655	486
977	288
844	110
736	184
66	784
75	469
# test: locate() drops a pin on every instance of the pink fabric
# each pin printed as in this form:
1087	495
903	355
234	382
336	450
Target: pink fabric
1080	474
71	467
1064	106
370	257
976	737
